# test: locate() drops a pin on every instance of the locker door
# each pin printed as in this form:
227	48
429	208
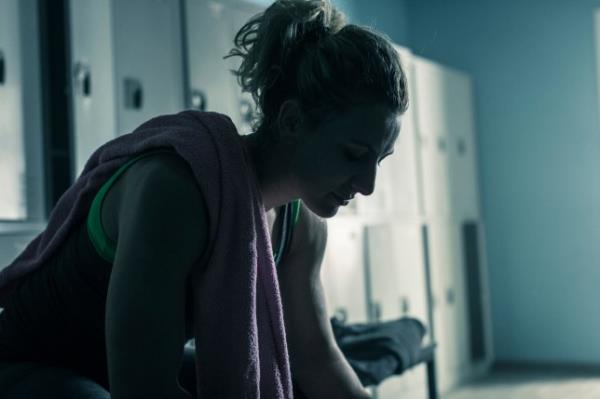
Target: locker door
92	76
439	103
12	150
398	288
342	271
212	85
432	120
464	184
396	270
458	305
435	172
148	60
441	259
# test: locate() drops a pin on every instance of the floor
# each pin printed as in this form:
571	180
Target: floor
533	383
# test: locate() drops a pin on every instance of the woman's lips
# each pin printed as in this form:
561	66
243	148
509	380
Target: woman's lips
341	200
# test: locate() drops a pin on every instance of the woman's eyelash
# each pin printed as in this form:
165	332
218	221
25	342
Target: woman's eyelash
356	155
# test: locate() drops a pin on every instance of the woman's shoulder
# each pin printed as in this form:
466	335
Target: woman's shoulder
162	201
159	182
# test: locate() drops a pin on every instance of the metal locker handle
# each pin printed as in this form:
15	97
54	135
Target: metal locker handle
198	100
462	146
376	311
2	68
404	305
134	94
83	79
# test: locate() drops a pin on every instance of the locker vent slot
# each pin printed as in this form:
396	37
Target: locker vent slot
2	68
474	294
427	265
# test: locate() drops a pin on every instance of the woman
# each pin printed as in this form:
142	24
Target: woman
112	308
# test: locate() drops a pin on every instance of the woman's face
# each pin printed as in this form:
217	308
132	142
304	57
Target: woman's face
340	157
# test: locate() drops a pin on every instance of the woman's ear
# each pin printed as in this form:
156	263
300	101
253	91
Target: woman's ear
289	121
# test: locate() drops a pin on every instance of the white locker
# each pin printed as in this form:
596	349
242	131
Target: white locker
148	60
398	288
211	27
12	150
440	98
93	79
445	122
433	138
342	271
21	136
396	270
211	84
127	67
463	152
451	331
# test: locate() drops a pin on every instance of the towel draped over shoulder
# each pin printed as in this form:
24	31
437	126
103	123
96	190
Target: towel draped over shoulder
241	348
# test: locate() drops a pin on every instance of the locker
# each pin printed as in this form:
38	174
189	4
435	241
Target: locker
451	331
342	271
211	84
126	66
397	288
93	78
463	154
148	60
435	175
396	270
445	122
433	137
440	104
12	150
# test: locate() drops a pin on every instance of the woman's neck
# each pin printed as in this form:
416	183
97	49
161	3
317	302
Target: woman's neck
271	164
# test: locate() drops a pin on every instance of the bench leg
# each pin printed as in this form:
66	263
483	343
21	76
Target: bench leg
431	381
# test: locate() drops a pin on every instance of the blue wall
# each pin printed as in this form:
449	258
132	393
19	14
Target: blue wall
533	66
388	16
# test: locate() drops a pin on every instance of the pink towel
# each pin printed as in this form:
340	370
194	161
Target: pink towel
238	318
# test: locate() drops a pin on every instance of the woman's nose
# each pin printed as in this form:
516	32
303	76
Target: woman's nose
364	183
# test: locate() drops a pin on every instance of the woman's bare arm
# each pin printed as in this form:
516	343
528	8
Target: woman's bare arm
318	366
162	232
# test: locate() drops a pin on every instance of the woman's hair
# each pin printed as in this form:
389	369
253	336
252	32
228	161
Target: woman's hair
304	50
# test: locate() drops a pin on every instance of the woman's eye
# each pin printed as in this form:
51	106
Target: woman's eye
356	155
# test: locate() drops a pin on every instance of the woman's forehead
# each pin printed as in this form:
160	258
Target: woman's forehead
373	124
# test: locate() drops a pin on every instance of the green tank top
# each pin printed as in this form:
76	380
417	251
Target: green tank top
106	248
